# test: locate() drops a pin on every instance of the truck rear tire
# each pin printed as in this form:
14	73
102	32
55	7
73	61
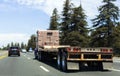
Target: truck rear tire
59	60
64	62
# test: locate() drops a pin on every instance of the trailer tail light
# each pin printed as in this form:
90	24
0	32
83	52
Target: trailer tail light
76	49
106	50
68	49
73	49
111	50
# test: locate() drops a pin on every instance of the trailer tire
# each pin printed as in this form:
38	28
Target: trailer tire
64	62
59	60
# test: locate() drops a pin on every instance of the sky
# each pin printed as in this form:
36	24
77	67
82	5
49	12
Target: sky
19	19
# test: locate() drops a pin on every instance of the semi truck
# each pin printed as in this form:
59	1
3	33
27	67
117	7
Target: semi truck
48	46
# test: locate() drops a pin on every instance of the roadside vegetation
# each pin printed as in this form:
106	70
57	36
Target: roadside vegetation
76	31
21	45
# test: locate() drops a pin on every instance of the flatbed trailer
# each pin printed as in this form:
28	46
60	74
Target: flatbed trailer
48	47
92	57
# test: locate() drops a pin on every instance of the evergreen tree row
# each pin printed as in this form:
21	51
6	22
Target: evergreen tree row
21	45
32	42
72	25
74	30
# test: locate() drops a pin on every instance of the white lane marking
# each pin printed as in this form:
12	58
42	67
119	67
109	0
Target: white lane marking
24	55
46	70
117	61
114	69
29	58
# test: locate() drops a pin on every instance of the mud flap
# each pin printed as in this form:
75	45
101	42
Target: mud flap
107	65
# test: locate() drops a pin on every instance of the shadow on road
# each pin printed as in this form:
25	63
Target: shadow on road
13	56
53	63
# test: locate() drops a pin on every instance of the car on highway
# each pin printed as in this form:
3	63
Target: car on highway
23	51
14	51
30	50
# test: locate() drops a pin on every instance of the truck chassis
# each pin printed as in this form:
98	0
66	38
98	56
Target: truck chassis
92	57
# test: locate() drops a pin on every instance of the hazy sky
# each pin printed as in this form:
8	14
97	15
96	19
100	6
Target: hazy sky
19	19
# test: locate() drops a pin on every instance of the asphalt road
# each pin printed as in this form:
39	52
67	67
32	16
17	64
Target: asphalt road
26	65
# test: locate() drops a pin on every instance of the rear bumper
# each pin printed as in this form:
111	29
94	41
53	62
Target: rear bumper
107	57
14	53
86	60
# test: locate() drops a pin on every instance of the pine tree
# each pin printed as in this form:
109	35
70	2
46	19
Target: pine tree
32	42
25	46
78	35
22	46
104	24
18	45
8	46
116	39
66	20
15	44
54	20
12	44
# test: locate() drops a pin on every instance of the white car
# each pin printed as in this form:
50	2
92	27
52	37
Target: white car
30	50
24	50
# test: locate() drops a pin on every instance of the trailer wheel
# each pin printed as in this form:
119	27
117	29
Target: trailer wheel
64	62
59	60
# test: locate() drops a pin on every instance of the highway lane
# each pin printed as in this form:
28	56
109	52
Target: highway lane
3	54
111	71
26	65
18	66
116	64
